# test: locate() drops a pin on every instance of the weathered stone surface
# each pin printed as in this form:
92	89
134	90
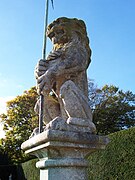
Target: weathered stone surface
69	139
63	75
62	153
65	173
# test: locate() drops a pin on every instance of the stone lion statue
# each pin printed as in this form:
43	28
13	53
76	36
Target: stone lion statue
62	78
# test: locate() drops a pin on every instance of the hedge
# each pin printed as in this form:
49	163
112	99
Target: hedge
117	161
30	171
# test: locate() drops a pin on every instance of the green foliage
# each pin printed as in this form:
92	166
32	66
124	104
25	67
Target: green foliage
30	171
113	109
19	124
117	161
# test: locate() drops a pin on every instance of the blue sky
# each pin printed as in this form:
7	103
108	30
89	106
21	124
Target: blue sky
111	29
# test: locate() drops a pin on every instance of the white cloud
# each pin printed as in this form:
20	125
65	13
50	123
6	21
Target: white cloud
3	101
2	133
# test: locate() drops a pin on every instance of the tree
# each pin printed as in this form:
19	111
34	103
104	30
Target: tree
113	109
20	121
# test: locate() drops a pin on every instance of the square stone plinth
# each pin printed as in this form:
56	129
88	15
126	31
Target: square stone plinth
62	154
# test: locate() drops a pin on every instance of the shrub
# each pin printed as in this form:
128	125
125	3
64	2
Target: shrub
30	171
117	161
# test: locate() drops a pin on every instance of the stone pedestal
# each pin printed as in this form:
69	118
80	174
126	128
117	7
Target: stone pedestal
62	154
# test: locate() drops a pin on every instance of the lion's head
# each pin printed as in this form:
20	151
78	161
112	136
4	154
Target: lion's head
66	30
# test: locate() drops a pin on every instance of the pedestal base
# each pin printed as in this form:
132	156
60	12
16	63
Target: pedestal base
63	169
62	153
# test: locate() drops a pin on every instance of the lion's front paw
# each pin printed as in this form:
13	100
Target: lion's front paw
57	124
